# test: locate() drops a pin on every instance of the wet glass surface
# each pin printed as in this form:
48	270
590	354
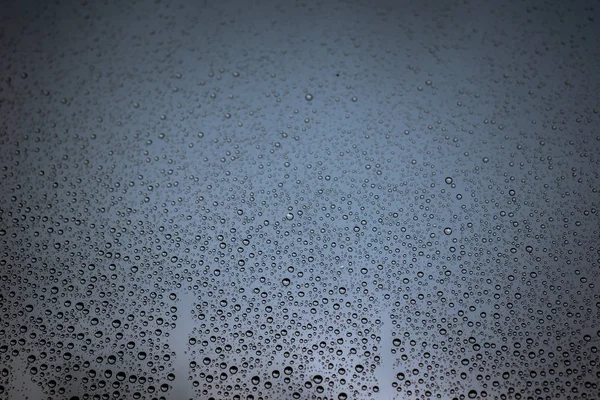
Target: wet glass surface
299	200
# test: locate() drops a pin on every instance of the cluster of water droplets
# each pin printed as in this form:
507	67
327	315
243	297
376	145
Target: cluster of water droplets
315	216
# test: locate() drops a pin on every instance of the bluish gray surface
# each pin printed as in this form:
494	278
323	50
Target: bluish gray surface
309	200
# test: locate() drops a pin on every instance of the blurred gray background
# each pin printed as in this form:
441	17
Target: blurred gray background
299	200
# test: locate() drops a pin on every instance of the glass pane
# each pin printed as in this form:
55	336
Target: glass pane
299	200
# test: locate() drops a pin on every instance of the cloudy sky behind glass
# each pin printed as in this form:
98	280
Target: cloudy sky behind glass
299	200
